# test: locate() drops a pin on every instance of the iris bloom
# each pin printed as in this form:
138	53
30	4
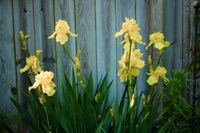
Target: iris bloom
131	68
154	75
131	27
158	40
33	63
61	30
44	80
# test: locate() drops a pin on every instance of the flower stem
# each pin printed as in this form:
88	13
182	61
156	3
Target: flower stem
159	59
47	118
67	52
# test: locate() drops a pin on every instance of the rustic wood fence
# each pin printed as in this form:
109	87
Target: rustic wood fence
95	21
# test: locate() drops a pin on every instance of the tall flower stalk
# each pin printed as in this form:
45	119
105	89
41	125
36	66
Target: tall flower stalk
131	61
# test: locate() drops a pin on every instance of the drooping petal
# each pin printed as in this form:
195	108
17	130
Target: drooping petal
52	36
123	75
117	34
35	85
61	38
48	89
152	80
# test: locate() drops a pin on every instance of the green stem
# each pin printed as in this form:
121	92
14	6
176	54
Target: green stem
159	59
130	92
67	52
47	117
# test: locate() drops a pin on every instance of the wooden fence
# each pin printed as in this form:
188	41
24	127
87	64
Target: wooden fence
95	21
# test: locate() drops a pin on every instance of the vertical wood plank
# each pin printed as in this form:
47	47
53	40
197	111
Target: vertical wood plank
169	33
156	22
124	8
143	19
44	26
23	20
7	59
186	34
64	9
106	43
85	27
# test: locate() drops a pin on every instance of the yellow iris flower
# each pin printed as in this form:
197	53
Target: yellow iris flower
131	27
33	63
131	68
45	80
61	30
158	40
154	75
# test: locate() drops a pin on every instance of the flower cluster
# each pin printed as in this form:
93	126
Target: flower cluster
43	79
131	61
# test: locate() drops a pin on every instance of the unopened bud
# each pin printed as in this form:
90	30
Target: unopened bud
111	112
77	64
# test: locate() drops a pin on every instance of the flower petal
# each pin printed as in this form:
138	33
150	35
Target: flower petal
62	38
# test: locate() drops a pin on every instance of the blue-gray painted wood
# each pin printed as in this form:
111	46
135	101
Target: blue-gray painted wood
65	10
95	21
143	19
106	43
7	59
86	29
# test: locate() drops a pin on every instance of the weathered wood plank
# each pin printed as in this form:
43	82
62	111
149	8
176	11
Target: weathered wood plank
143	19
64	9
7	59
85	27
124	8
169	33
23	20
106	43
44	26
156	22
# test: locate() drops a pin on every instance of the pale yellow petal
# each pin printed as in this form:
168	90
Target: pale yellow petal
72	34
117	34
134	71
38	53
62	38
152	80
35	85
159	45
48	89
24	69
52	36
123	74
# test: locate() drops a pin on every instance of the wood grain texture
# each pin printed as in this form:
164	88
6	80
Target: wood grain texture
7	59
124	8
156	22
44	26
64	9
169	32
186	34
106	43
86	29
143	19
95	21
